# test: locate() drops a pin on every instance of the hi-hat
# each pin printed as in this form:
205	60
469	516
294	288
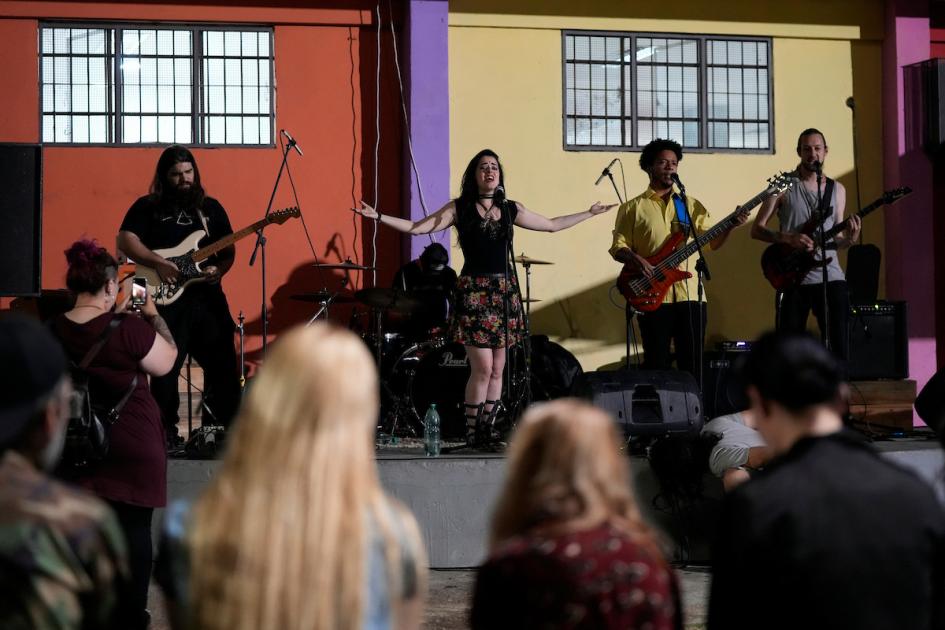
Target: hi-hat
522	259
347	265
321	296
393	299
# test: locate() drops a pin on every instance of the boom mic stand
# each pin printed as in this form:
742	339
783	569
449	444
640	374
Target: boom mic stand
261	247
702	275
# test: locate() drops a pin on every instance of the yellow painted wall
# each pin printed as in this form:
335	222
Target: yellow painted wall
506	94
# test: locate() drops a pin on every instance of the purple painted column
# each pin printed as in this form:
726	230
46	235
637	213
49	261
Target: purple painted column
427	85
909	226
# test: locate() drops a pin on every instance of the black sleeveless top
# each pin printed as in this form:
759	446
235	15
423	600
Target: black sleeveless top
485	243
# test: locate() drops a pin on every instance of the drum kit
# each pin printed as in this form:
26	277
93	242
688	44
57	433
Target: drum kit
418	370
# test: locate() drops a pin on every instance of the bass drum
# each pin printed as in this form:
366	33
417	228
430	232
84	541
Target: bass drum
439	376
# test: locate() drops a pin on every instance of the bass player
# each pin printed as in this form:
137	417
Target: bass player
643	225
795	209
200	319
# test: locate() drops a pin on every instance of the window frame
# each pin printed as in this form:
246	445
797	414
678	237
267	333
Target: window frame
114	87
703	93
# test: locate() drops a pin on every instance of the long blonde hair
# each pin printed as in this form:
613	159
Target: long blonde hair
566	472
280	539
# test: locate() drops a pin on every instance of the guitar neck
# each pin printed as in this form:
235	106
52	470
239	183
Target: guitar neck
839	227
206	252
715	231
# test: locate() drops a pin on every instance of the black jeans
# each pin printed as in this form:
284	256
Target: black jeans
203	328
797	303
676	322
135	522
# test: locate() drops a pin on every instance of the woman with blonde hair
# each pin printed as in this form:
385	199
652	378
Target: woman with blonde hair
568	546
294	531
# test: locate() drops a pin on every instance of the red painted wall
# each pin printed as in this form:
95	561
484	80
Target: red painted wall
938	43
325	82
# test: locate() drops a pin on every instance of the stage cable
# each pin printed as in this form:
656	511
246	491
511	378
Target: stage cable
407	128
377	143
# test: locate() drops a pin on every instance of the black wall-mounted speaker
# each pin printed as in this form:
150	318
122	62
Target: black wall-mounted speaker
21	215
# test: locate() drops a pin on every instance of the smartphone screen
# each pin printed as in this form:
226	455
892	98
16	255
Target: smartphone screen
139	292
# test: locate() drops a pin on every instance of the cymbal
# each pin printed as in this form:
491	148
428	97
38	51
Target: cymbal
346	265
321	296
394	299
522	259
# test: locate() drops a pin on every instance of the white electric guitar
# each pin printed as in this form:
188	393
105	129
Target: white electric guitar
188	258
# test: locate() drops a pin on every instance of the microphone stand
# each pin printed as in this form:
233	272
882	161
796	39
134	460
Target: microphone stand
261	247
825	328
702	275
630	311
610	176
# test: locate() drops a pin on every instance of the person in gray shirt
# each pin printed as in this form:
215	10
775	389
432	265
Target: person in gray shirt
740	448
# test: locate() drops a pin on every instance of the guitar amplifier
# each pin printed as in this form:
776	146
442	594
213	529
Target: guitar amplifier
879	347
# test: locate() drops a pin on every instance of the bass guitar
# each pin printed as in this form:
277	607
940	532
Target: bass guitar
188	258
785	266
647	294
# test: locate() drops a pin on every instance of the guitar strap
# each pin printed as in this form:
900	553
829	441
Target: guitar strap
203	219
825	200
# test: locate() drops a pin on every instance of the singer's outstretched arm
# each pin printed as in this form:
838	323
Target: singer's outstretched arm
439	220
534	221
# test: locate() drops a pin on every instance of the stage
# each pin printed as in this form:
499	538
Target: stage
452	496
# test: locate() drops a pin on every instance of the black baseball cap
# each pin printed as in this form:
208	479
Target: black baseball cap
32	363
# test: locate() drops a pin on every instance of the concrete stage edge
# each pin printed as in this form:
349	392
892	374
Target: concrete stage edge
452	496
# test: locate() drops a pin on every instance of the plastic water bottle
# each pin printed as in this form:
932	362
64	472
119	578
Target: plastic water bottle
431	432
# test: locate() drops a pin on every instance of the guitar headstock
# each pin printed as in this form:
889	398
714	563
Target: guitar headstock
281	216
779	182
897	193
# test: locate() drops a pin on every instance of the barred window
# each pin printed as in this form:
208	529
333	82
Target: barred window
622	90
147	84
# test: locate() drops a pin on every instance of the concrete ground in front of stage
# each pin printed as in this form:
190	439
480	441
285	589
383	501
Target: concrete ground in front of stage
450	595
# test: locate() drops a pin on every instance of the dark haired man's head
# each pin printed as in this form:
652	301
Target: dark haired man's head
434	257
792	381
811	148
90	267
469	188
660	159
653	151
176	182
34	391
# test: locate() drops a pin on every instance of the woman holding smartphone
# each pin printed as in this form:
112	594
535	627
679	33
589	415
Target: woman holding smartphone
132	477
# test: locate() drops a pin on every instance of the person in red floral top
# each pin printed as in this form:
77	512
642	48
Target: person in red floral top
568	546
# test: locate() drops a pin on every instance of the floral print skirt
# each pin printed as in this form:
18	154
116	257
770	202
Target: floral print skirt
479	311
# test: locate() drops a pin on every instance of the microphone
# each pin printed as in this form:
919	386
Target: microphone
498	197
678	182
292	142
851	103
816	166
604	173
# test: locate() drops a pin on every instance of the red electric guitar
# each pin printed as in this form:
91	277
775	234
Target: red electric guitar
646	294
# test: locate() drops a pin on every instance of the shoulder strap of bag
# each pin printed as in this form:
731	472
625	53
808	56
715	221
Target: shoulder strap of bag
100	343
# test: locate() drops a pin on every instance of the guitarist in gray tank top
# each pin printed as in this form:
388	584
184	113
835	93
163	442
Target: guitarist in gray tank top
800	218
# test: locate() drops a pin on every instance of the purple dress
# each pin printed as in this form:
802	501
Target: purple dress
135	469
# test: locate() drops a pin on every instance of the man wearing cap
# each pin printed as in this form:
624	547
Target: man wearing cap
829	534
62	556
430	280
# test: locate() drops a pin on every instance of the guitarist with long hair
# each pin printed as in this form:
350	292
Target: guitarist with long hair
799	218
643	225
200	318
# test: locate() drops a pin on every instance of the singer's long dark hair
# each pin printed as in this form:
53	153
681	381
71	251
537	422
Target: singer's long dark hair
469	191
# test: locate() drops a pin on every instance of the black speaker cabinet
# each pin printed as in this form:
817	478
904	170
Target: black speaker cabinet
646	402
879	347
722	393
20	213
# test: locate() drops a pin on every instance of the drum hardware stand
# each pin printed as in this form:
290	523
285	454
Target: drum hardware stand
323	309
242	351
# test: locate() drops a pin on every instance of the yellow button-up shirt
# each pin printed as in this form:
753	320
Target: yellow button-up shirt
644	224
